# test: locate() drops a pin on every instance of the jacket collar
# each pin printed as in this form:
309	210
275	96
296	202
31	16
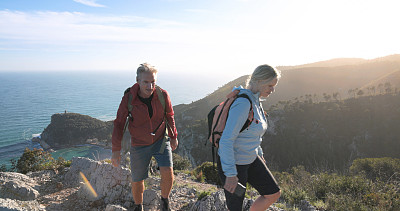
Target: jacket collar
135	90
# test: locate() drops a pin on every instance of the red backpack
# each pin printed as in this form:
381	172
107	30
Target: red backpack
219	114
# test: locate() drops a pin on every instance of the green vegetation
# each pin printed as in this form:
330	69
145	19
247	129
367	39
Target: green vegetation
385	169
180	163
330	135
342	192
207	172
37	160
202	194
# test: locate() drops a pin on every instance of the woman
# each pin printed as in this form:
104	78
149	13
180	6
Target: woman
240	154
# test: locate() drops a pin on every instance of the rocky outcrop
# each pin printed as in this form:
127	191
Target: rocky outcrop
70	129
18	186
18	192
109	189
213	202
110	184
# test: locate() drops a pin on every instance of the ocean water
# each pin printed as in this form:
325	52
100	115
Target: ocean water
28	99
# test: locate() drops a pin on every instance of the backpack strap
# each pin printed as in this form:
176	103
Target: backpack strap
162	101
251	113
130	107
161	97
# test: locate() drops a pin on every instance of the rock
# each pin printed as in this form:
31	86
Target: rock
306	206
111	207
151	200
17	186
213	202
44	145
109	183
36	139
9	204
69	129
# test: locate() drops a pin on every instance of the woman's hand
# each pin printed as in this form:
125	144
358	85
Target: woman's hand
231	183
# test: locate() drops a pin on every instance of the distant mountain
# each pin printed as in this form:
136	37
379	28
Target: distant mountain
318	79
327	63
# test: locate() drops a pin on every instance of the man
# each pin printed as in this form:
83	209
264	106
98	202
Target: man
147	123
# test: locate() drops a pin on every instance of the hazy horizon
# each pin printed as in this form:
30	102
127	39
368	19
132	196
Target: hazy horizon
224	36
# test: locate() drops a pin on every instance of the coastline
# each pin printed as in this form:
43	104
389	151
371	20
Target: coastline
93	148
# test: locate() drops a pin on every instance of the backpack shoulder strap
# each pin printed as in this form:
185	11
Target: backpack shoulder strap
161	97
248	98
130	97
251	113
130	107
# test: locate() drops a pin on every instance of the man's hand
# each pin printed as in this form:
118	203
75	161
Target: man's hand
116	158
174	143
231	183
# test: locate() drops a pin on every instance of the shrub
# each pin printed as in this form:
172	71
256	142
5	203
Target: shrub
385	169
203	194
294	196
209	171
180	163
37	160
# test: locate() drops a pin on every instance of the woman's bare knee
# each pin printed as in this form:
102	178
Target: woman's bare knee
274	196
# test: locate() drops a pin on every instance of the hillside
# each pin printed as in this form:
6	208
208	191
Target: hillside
299	84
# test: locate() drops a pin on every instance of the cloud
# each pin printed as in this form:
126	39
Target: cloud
63	27
91	3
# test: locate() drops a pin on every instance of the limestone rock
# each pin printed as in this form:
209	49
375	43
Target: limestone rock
17	186
9	204
115	208
213	202
109	183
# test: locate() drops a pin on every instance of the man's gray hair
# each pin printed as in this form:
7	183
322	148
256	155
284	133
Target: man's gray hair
145	68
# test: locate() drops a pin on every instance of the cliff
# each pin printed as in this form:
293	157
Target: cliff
70	129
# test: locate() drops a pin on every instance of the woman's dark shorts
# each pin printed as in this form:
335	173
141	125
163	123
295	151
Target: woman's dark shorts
256	174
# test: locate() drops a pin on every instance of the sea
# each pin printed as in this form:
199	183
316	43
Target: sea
29	99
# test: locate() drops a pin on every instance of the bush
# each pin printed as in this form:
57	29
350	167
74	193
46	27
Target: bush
385	169
180	163
208	172
203	194
37	160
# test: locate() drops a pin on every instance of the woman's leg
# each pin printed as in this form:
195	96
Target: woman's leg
264	182
263	202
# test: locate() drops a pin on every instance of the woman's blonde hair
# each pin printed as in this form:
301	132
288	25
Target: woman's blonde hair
262	73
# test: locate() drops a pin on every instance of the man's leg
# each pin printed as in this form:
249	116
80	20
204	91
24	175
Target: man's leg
167	179
137	191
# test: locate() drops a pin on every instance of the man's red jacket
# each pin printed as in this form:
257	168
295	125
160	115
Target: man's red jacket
142	127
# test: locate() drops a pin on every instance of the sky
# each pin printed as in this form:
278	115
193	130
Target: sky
229	37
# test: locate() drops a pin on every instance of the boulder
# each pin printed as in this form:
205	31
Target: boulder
213	202
16	205
17	186
109	183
